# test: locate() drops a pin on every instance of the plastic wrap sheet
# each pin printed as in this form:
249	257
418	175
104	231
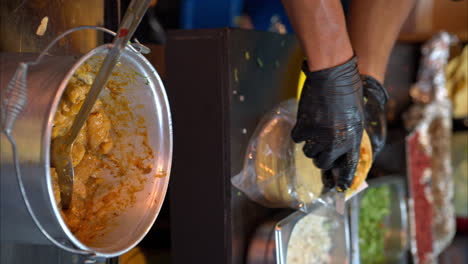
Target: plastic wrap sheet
277	174
431	75
428	155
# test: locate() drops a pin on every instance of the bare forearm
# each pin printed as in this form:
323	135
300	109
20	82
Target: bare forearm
321	28
374	26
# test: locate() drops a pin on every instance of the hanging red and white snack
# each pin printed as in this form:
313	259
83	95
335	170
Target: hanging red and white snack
429	169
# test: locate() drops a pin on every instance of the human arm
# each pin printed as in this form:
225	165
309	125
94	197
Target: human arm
330	115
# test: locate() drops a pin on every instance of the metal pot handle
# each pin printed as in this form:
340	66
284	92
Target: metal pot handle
15	98
30	210
16	94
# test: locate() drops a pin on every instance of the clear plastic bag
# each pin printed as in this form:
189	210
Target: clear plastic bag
429	120
276	172
272	173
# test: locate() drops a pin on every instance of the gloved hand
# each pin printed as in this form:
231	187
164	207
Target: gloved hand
330	121
375	98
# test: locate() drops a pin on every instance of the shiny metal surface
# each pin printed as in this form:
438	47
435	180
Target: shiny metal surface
262	249
14	99
353	206
16	224
12	253
61	159
339	252
61	156
269	245
32	130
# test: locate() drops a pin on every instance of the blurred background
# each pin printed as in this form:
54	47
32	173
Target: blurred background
29	25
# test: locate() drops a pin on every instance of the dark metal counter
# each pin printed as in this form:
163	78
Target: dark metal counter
220	83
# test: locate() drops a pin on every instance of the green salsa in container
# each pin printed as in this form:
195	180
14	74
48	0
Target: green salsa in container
375	208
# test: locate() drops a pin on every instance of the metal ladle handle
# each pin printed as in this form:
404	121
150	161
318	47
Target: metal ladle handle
13	104
135	12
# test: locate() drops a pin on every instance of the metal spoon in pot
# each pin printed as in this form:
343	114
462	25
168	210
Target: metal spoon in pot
62	146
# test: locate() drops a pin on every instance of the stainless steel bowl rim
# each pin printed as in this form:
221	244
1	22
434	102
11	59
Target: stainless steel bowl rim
47	137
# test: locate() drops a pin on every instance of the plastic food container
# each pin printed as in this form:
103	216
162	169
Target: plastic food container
460	178
387	223
317	237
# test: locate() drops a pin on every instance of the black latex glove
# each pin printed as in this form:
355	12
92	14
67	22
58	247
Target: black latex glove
375	98
330	121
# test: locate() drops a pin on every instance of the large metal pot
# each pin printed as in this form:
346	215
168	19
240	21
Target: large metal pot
32	132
